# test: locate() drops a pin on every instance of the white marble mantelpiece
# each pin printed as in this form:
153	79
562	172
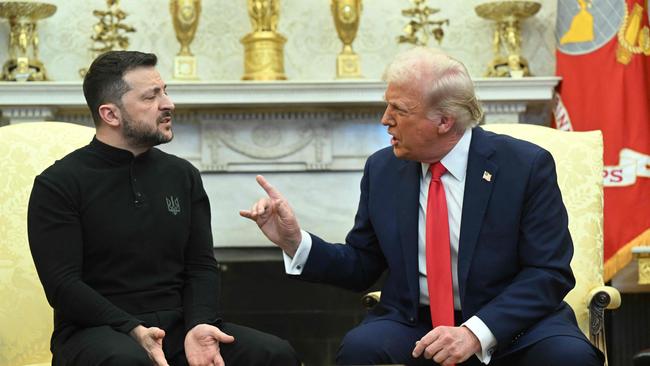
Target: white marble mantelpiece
273	126
500	96
310	139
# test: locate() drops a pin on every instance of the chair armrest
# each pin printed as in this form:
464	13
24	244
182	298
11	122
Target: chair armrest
642	358
606	297
601	298
371	299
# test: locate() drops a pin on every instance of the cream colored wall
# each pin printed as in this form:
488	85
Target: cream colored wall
312	42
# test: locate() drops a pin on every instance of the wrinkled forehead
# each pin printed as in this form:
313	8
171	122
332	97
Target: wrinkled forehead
141	78
411	89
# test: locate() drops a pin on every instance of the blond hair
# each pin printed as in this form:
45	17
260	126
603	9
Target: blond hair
447	86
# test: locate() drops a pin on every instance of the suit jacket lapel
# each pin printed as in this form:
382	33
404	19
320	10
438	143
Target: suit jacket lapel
478	189
407	198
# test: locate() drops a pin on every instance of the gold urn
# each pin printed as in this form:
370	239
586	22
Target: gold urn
347	15
264	46
185	17
23	63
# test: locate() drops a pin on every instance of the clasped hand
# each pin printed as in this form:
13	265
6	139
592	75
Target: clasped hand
447	345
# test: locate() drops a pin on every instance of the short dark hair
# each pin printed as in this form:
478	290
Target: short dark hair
104	82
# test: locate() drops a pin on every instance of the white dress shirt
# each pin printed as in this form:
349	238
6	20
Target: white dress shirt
454	183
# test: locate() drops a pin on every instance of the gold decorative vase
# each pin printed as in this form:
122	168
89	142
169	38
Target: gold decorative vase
506	41
185	16
347	15
23	63
264	46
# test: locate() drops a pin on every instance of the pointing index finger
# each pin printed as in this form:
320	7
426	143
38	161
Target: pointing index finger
270	190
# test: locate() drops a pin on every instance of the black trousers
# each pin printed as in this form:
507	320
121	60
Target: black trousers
105	346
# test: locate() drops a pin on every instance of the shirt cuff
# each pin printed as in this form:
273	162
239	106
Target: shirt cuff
485	337
294	266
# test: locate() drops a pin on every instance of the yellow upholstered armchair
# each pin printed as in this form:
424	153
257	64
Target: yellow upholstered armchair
25	316
579	160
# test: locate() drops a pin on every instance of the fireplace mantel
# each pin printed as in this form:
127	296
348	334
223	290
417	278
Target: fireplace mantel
305	137
504	99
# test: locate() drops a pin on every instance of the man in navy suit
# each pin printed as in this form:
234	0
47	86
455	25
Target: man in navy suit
509	244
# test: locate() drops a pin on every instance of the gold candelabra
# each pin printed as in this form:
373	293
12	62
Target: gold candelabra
109	32
419	28
185	16
23	63
506	41
263	47
347	15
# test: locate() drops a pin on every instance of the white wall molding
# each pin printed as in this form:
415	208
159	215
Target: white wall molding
278	93
272	126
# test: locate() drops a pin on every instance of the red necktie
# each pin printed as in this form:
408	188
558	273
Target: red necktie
441	293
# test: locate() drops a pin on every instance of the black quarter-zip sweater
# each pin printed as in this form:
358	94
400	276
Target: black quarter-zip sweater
113	236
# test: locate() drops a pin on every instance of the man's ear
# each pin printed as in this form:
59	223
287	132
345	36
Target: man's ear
110	114
446	124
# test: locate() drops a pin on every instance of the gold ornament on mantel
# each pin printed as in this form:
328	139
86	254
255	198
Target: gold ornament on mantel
185	16
109	31
347	15
23	63
419	28
506	41
263	47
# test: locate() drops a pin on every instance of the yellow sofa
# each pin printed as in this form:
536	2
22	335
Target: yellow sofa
25	316
579	160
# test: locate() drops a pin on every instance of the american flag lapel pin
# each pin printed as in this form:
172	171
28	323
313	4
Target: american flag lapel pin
487	176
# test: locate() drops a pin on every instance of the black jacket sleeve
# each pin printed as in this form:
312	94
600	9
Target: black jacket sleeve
201	288
56	243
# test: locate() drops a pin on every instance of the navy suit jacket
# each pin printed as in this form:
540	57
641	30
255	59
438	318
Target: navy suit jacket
514	246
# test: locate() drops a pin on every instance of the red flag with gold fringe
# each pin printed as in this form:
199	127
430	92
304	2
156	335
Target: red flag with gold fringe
603	57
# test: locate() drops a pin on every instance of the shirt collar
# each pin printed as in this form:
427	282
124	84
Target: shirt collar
456	160
113	153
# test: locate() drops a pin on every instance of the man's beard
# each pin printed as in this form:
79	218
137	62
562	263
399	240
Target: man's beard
141	134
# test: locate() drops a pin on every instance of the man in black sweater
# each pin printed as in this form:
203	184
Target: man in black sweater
120	235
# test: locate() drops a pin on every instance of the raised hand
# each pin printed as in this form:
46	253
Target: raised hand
151	340
275	218
202	345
